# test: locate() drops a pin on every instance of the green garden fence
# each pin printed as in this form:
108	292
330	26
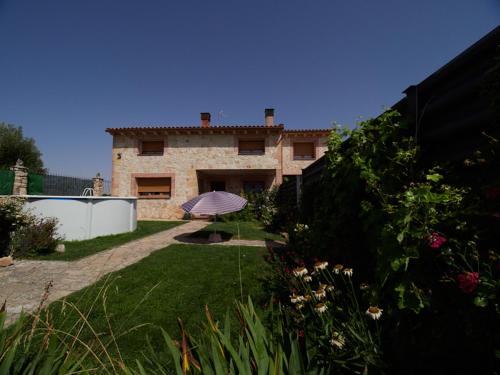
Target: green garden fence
6	182
35	184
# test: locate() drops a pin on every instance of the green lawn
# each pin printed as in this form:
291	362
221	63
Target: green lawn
249	230
173	282
79	249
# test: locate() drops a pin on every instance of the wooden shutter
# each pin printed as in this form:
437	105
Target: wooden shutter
251	147
303	150
154	187
152	147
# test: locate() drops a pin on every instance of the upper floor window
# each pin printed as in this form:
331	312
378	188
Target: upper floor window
154	187
303	151
151	147
251	147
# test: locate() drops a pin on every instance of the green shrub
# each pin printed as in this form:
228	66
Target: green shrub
261	206
12	217
37	237
425	238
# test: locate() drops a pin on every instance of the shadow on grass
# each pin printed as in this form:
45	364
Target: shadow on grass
201	237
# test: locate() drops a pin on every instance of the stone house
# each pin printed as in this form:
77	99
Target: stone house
168	165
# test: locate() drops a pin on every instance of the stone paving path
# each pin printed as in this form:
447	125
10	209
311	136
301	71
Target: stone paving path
22	284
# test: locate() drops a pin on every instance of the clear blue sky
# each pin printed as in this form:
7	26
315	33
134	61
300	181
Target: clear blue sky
69	69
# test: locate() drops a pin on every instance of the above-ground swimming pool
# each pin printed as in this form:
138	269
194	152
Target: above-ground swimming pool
82	218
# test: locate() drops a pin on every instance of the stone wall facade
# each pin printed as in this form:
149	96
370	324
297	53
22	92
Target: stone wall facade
294	167
193	161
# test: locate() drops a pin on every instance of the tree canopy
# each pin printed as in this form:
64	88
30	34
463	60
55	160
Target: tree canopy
14	145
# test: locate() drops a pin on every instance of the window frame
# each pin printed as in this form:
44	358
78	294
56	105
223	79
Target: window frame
140	151
135	177
314	150
253	139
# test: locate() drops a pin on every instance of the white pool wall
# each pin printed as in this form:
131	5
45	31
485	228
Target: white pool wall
83	218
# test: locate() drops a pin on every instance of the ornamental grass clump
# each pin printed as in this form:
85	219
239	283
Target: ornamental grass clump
252	347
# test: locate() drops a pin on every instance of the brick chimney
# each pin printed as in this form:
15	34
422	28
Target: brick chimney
205	119
269	116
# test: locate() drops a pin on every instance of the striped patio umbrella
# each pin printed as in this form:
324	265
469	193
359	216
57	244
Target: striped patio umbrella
214	203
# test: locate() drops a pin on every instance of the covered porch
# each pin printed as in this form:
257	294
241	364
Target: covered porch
235	180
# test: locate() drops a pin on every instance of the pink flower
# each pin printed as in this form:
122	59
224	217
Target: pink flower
468	281
435	240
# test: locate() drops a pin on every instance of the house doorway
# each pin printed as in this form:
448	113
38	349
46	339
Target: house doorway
217	185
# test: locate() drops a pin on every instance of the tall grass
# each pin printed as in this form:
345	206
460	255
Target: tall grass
251	348
35	345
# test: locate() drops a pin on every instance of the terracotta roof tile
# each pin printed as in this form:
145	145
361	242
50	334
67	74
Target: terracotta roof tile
192	127
214	127
307	130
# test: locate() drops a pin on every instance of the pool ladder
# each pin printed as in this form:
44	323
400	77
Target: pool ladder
87	192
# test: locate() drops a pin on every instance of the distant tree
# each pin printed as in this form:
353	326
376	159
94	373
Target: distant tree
13	146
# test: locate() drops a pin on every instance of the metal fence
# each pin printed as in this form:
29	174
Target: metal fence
107	187
64	185
50	184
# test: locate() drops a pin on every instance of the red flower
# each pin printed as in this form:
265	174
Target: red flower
468	281
493	193
301	333
435	240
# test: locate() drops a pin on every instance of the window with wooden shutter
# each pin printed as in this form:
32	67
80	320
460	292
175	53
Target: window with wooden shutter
154	187
251	147
152	147
303	151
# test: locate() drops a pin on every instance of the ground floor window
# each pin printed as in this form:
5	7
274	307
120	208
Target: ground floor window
154	187
217	186
253	186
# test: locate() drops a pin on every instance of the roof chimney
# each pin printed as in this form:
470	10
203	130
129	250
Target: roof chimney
269	116
205	119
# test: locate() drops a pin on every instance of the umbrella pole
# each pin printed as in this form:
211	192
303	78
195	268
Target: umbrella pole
239	261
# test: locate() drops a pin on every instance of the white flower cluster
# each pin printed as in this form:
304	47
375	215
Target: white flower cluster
300	228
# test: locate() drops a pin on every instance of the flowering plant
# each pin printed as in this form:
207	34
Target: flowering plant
334	319
425	236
